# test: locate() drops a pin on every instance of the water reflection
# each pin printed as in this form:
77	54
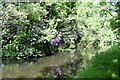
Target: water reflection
68	63
16	69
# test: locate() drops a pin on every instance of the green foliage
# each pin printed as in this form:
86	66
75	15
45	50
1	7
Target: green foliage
103	65
99	30
116	21
28	28
94	26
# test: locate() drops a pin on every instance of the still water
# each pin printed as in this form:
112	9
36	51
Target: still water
33	69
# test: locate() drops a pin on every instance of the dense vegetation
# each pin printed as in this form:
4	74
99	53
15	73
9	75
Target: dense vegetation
29	28
105	64
42	29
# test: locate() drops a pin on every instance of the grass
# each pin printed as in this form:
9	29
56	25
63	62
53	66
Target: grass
103	65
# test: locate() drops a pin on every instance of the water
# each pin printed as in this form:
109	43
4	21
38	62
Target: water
70	62
34	69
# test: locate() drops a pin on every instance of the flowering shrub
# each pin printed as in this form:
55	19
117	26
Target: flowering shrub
42	29
56	41
31	29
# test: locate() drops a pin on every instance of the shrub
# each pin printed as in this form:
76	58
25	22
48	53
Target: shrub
29	28
95	28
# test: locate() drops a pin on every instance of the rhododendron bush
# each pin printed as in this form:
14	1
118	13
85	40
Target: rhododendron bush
46	28
35	29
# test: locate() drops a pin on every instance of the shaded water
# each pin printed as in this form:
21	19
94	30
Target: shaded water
26	69
34	69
